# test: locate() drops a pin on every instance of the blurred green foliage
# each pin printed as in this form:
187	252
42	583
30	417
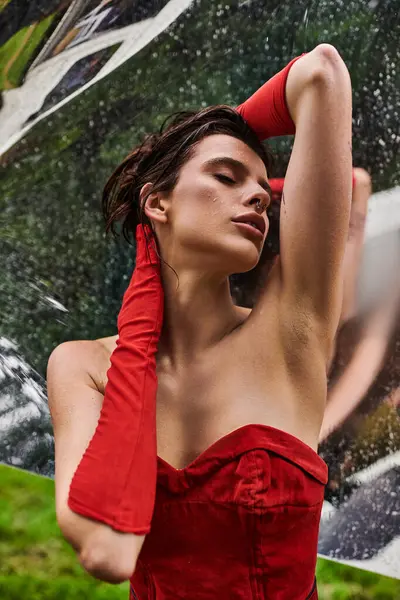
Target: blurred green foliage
52	233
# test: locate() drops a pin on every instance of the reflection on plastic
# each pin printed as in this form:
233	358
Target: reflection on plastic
82	82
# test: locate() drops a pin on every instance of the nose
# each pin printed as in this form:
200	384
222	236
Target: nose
259	201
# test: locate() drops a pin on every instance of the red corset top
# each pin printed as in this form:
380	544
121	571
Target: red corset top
238	523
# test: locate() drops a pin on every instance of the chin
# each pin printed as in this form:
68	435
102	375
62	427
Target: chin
230	255
245	258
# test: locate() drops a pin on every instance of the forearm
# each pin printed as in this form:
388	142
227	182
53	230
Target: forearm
115	481
272	110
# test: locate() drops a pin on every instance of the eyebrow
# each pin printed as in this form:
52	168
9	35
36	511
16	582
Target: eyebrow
227	160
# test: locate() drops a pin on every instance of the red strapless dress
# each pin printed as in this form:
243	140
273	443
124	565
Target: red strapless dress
239	523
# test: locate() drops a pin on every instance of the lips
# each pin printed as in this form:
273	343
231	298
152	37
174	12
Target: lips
253	219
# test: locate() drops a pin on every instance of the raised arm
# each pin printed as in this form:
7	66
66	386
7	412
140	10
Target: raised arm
361	192
316	201
317	192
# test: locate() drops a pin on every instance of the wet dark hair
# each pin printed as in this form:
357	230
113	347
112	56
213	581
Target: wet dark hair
159	158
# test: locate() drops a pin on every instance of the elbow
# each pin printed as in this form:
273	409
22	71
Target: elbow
68	528
329	66
107	566
328	57
104	553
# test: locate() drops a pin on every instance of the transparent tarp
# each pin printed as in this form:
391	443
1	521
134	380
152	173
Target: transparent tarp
81	83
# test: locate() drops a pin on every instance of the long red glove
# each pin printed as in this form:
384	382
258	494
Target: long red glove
276	186
266	110
115	481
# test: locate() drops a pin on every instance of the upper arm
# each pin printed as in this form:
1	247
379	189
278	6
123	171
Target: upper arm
75	404
316	199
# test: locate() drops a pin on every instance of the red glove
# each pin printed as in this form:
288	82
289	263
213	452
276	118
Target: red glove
266	110
276	186
115	481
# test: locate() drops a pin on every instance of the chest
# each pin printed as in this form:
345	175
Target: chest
214	397
230	387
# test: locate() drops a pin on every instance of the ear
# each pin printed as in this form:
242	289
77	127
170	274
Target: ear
156	204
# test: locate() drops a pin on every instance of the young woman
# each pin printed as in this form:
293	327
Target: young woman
232	399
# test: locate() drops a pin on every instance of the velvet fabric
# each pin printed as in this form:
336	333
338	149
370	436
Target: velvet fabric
115	481
266	111
239	523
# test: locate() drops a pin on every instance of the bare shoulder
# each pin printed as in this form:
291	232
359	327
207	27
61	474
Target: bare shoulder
87	360
108	343
76	352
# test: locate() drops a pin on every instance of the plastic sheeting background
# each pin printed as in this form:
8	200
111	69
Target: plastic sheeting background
82	82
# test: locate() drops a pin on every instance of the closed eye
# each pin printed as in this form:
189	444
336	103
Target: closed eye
224	178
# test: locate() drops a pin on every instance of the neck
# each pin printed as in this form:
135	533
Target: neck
198	313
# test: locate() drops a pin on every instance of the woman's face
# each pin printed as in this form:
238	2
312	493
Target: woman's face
223	181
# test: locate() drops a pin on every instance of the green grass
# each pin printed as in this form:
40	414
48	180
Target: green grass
35	560
37	563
